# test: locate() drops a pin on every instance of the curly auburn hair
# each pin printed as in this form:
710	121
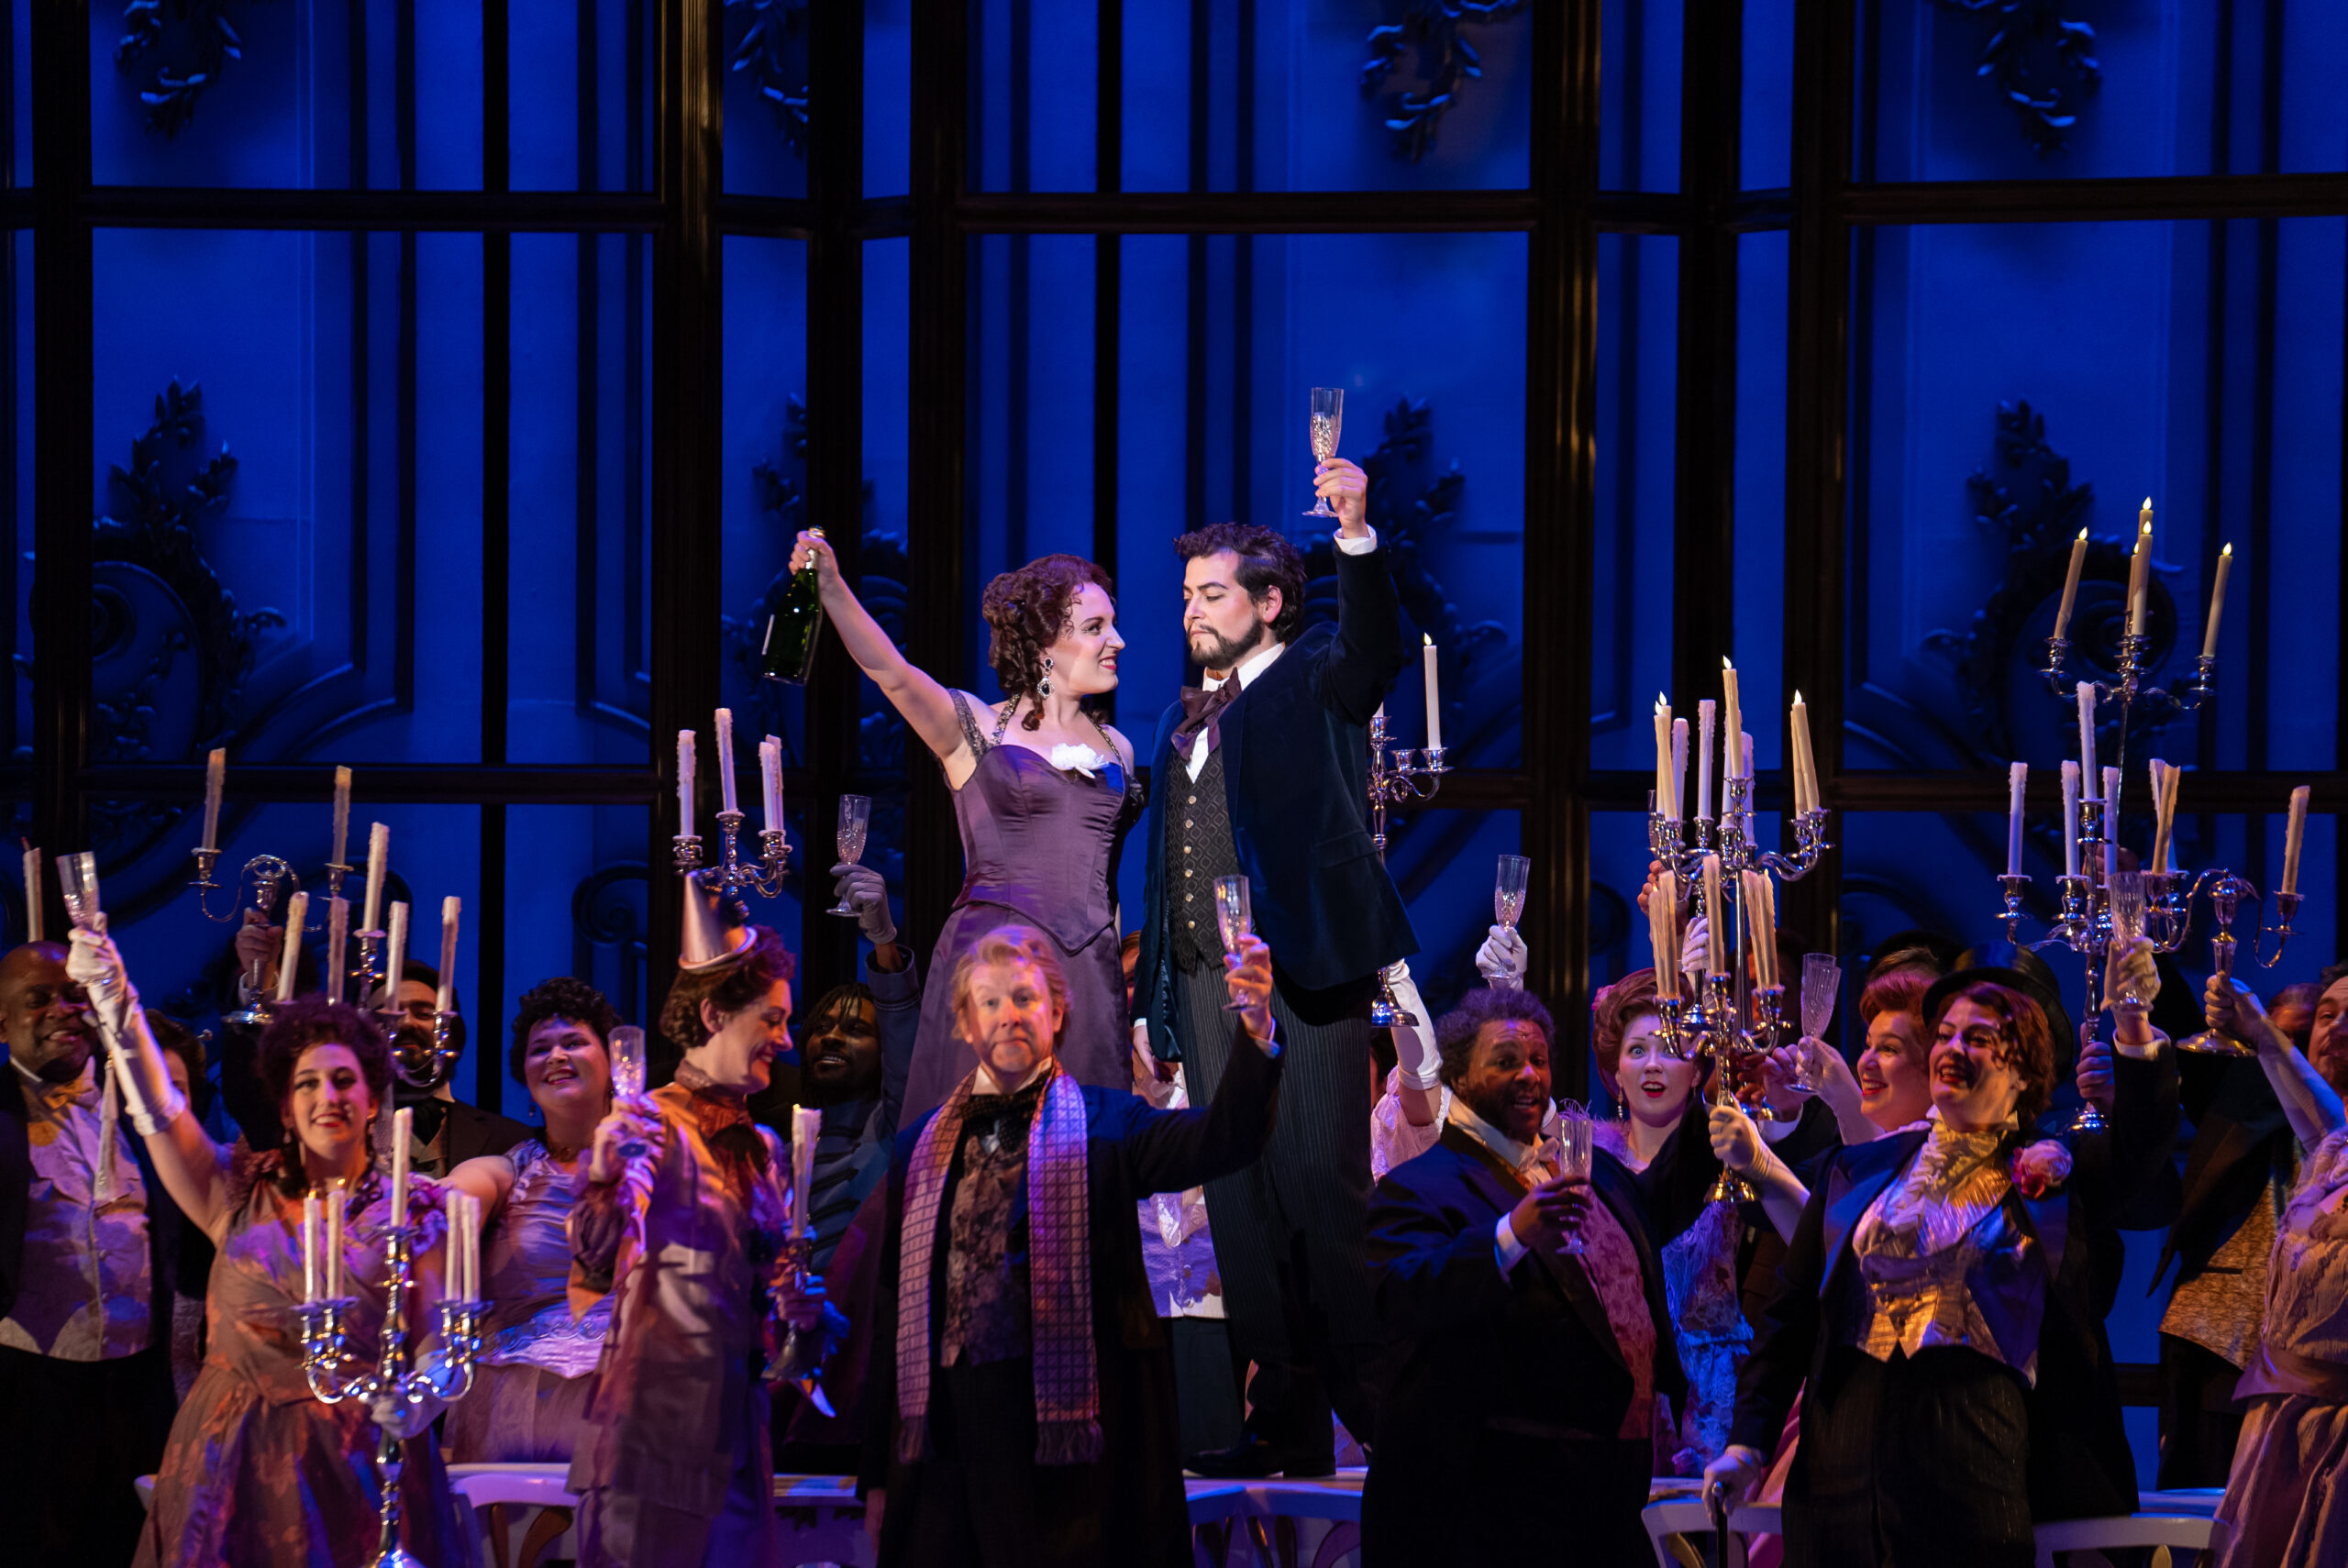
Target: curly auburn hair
729	990
294	1028
1612	1011
1456	1032
1267	560
562	997
2027	1039
1027	609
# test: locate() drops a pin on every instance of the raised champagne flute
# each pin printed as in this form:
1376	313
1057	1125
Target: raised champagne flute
2127	892
855	816
1574	1130
1234	919
1508	892
627	1061
1328	418
1821	981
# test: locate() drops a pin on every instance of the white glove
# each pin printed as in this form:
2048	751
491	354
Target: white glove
145	1084
2130	970
1695	946
862	889
1504	960
93	963
1413	1043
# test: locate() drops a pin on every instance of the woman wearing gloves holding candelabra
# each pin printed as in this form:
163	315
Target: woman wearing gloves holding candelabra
682	1218
529	1398
2287	1500
259	1470
1938	1299
1042	793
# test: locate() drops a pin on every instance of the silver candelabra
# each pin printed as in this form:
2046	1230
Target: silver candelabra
335	1372
1414	775
732	874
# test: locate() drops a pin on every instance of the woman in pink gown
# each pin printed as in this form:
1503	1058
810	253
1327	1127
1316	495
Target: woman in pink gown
259	1471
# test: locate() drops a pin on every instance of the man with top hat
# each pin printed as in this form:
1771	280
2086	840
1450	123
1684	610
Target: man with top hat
684	1215
1020	1404
1261	772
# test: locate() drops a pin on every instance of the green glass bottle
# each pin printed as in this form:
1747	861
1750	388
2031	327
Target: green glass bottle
797	624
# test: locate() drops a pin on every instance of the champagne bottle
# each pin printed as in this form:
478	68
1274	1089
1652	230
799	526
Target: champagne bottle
797	624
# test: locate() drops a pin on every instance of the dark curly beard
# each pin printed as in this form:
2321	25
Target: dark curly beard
1226	653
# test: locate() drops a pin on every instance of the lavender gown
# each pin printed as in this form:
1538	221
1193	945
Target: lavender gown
1040	848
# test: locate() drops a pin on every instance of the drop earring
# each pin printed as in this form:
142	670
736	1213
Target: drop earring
1044	686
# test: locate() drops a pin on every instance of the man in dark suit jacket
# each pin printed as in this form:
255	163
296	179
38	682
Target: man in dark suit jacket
1000	1430
1529	1369
1262	773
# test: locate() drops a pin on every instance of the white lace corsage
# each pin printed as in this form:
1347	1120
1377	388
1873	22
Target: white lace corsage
1077	759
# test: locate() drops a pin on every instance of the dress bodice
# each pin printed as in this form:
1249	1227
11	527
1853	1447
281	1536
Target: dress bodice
2305	1350
525	1274
1043	842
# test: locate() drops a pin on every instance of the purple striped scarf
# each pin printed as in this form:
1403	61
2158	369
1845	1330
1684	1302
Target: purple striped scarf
1060	1275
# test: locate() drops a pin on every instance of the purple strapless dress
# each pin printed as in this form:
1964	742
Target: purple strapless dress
1039	848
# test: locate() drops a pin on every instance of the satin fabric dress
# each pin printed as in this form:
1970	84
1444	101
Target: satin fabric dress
528	1403
676	1466
259	1474
2287	1500
1039	847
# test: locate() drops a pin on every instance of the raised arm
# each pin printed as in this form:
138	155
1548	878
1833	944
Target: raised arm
1170	1150
1369	652
926	705
195	1170
2309	1104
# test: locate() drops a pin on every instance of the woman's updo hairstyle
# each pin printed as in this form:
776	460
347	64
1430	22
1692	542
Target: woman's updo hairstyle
1027	610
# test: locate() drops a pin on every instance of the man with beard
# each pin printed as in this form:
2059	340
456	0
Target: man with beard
1260	773
447	1130
1527	1365
2240	1168
86	1377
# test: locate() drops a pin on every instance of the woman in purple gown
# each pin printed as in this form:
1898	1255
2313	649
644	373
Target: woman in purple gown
1043	792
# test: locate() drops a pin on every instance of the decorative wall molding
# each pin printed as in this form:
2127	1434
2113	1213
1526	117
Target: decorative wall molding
2024	34
170	96
1445	60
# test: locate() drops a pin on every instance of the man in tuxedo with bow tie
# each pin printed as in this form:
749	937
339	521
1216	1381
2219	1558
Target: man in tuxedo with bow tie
1261	771
1529	1366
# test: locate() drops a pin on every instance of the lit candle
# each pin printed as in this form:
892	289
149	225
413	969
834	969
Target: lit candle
2071	583
335	1197
806	1126
1679	769
2216	603
1663	759
394	955
1715	918
684	783
726	759
337	944
403	1129
2140	566
2017	775
2295	830
32	895
770	781
297	911
2111	820
309	1246
379	853
2070	819
216	780
1707	712
1805	766
450	908
1733	725
2087	732
1434	697
341	813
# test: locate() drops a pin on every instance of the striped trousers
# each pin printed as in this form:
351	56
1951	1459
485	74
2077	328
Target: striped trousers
1289	1229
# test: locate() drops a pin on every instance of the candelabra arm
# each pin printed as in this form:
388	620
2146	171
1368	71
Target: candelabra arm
2286	908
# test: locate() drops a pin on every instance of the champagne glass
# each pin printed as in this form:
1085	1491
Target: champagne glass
1328	416
1574	1129
855	816
2127	891
1233	918
1508	893
627	1061
1822	980
77	879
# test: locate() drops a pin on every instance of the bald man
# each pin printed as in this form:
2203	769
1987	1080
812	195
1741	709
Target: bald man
86	1252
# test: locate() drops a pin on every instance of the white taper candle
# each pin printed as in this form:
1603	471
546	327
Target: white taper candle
2070	819
451	908
216	783
379	854
726	759
2295	833
2016	778
297	914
